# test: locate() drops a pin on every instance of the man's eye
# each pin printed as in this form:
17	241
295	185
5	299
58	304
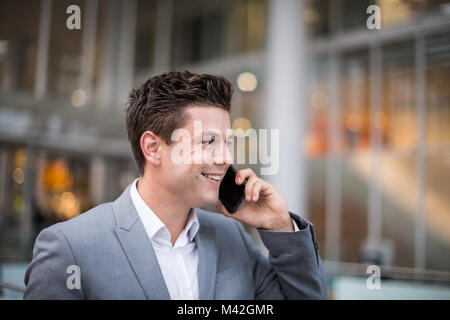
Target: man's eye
209	141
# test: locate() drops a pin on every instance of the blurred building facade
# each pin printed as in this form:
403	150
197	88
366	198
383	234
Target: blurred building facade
368	109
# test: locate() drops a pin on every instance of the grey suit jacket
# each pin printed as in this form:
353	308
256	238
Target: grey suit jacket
116	259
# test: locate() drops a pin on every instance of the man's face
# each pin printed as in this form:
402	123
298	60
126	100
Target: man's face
193	166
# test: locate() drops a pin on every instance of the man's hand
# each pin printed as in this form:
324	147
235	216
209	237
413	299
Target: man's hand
264	207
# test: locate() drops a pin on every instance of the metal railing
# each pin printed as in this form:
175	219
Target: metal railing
10	286
336	268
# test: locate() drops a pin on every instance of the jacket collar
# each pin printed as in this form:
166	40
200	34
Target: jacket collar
140	253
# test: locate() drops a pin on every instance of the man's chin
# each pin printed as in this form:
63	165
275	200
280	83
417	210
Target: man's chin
208	200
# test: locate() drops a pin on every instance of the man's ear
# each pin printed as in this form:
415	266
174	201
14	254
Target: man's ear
151	147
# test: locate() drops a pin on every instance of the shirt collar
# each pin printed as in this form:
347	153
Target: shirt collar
154	227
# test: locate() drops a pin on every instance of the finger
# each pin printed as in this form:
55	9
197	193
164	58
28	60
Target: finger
256	190
249	187
241	175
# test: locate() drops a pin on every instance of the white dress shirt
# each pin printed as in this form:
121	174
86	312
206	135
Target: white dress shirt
178	263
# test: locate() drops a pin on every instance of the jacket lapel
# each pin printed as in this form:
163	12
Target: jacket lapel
207	252
138	248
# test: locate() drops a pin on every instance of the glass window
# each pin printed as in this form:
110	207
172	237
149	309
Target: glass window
317	17
353	13
438	92
398	118
317	145
119	174
355	100
245	26
64	60
145	34
217	29
40	187
62	186
437	197
355	162
392	13
396	12
316	201
397	176
441	7
318	108
437	219
19	25
13	202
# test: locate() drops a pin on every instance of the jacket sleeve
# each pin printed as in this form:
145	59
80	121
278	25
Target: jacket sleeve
293	269
50	274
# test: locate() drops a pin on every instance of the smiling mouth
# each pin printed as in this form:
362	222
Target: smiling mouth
213	177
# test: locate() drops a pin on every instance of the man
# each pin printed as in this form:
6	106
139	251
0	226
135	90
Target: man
153	242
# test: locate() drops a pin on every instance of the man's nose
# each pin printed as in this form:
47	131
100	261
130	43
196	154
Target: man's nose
223	155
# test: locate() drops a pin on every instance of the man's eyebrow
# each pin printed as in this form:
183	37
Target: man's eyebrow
212	132
207	133
215	132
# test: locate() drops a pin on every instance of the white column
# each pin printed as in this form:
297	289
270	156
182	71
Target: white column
163	36
284	104
374	221
97	179
333	165
29	188
3	182
110	43
126	47
89	30
333	214
420	234
40	80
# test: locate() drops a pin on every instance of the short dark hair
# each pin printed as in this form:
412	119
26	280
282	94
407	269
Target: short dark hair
158	104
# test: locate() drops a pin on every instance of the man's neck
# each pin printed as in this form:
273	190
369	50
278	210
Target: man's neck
169	210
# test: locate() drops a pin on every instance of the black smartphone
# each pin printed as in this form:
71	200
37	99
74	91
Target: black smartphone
230	194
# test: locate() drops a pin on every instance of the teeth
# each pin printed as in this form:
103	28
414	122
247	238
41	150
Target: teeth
209	176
